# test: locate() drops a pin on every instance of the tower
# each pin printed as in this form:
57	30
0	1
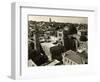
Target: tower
60	36
50	20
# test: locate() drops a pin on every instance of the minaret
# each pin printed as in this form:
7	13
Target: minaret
50	20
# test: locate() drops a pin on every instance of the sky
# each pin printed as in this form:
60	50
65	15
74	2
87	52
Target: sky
64	19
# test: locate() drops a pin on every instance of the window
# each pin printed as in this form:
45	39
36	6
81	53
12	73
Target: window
60	34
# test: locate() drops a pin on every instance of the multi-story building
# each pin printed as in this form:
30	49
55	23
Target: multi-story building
71	58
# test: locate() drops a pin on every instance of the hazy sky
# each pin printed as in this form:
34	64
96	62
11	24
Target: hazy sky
65	19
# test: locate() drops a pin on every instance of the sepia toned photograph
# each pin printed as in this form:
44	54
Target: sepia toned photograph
57	40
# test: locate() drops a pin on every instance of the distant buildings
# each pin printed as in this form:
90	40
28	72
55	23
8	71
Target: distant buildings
82	29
